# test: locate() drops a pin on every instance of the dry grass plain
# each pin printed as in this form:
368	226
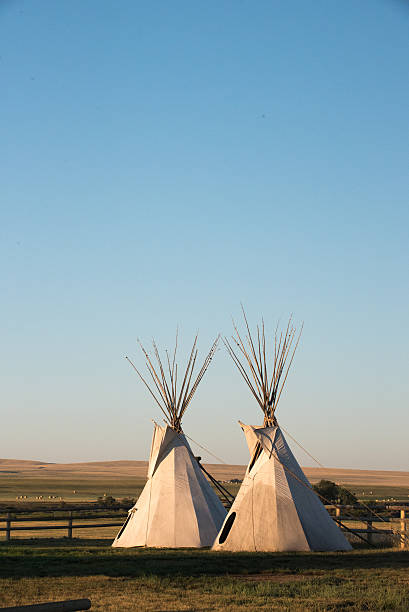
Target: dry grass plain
138	469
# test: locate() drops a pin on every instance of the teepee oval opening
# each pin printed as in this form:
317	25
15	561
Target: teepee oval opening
227	527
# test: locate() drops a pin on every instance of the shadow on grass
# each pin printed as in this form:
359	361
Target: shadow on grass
36	558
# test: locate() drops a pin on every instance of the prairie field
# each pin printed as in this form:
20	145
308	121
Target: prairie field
32	571
72	482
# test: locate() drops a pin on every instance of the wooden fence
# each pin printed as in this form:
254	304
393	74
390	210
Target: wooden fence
400	530
68	523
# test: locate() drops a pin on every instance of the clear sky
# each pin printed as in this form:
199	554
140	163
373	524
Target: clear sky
161	162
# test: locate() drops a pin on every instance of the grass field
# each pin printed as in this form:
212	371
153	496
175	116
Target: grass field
41	569
183	579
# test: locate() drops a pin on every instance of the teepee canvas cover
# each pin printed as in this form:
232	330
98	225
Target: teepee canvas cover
276	508
177	506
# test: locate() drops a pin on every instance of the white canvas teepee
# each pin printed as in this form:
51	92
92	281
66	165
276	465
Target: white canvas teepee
276	509
177	507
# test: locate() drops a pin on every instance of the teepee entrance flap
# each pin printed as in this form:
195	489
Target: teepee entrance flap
266	438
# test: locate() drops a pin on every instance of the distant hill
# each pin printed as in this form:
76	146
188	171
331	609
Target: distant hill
138	469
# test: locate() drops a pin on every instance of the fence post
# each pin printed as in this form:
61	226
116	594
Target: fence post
337	512
8	527
370	535
402	528
70	526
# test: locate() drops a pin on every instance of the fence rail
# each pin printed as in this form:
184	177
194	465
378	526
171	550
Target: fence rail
68	523
401	531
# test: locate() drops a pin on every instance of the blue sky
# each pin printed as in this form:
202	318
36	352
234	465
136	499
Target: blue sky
161	162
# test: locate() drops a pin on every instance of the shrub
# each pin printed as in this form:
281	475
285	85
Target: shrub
334	493
107	501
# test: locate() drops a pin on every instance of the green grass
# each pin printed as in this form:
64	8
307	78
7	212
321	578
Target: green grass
187	579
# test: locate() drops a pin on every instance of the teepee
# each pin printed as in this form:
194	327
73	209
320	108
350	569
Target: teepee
275	509
177	507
